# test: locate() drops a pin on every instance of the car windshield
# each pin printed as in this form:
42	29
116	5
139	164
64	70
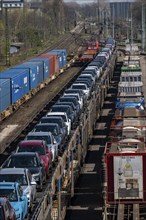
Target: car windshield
52	120
1	213
60	109
73	95
22	162
69	100
19	178
39	149
9	193
62	116
50	128
46	138
78	86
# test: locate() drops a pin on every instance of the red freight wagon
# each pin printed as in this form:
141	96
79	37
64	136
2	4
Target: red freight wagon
125	171
53	61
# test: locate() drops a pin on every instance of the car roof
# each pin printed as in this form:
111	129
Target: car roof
24	154
30	142
51	116
47	124
56	113
13	171
39	133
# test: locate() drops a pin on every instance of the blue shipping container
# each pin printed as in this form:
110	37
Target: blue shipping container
63	51
60	57
40	70
32	70
46	64
19	82
5	94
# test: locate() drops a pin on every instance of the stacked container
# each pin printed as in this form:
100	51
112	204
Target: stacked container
46	65
61	54
63	51
53	61
18	81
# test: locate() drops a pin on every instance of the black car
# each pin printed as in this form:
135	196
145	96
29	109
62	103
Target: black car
63	108
79	91
31	161
57	120
72	99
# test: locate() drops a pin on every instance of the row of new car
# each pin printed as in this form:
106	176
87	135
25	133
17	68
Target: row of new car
30	165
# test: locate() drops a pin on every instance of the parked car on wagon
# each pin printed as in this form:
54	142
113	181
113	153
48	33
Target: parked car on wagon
77	96
54	129
24	178
18	199
7	212
83	87
72	99
31	161
40	147
64	108
57	120
64	116
50	141
72	107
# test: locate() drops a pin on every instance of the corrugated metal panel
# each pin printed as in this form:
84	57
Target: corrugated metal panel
5	94
19	79
46	65
59	57
32	70
40	70
51	62
63	51
56	61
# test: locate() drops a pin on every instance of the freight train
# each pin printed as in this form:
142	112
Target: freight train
125	154
67	169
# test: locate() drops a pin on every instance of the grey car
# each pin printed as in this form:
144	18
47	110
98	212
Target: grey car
29	160
24	177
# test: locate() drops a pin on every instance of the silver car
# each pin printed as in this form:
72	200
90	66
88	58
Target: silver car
22	176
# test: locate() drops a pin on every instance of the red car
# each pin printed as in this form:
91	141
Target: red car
40	147
6	210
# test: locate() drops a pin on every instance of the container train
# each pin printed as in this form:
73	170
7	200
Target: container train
22	81
125	154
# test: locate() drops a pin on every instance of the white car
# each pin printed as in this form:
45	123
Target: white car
88	75
65	118
80	100
23	177
83	87
97	70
